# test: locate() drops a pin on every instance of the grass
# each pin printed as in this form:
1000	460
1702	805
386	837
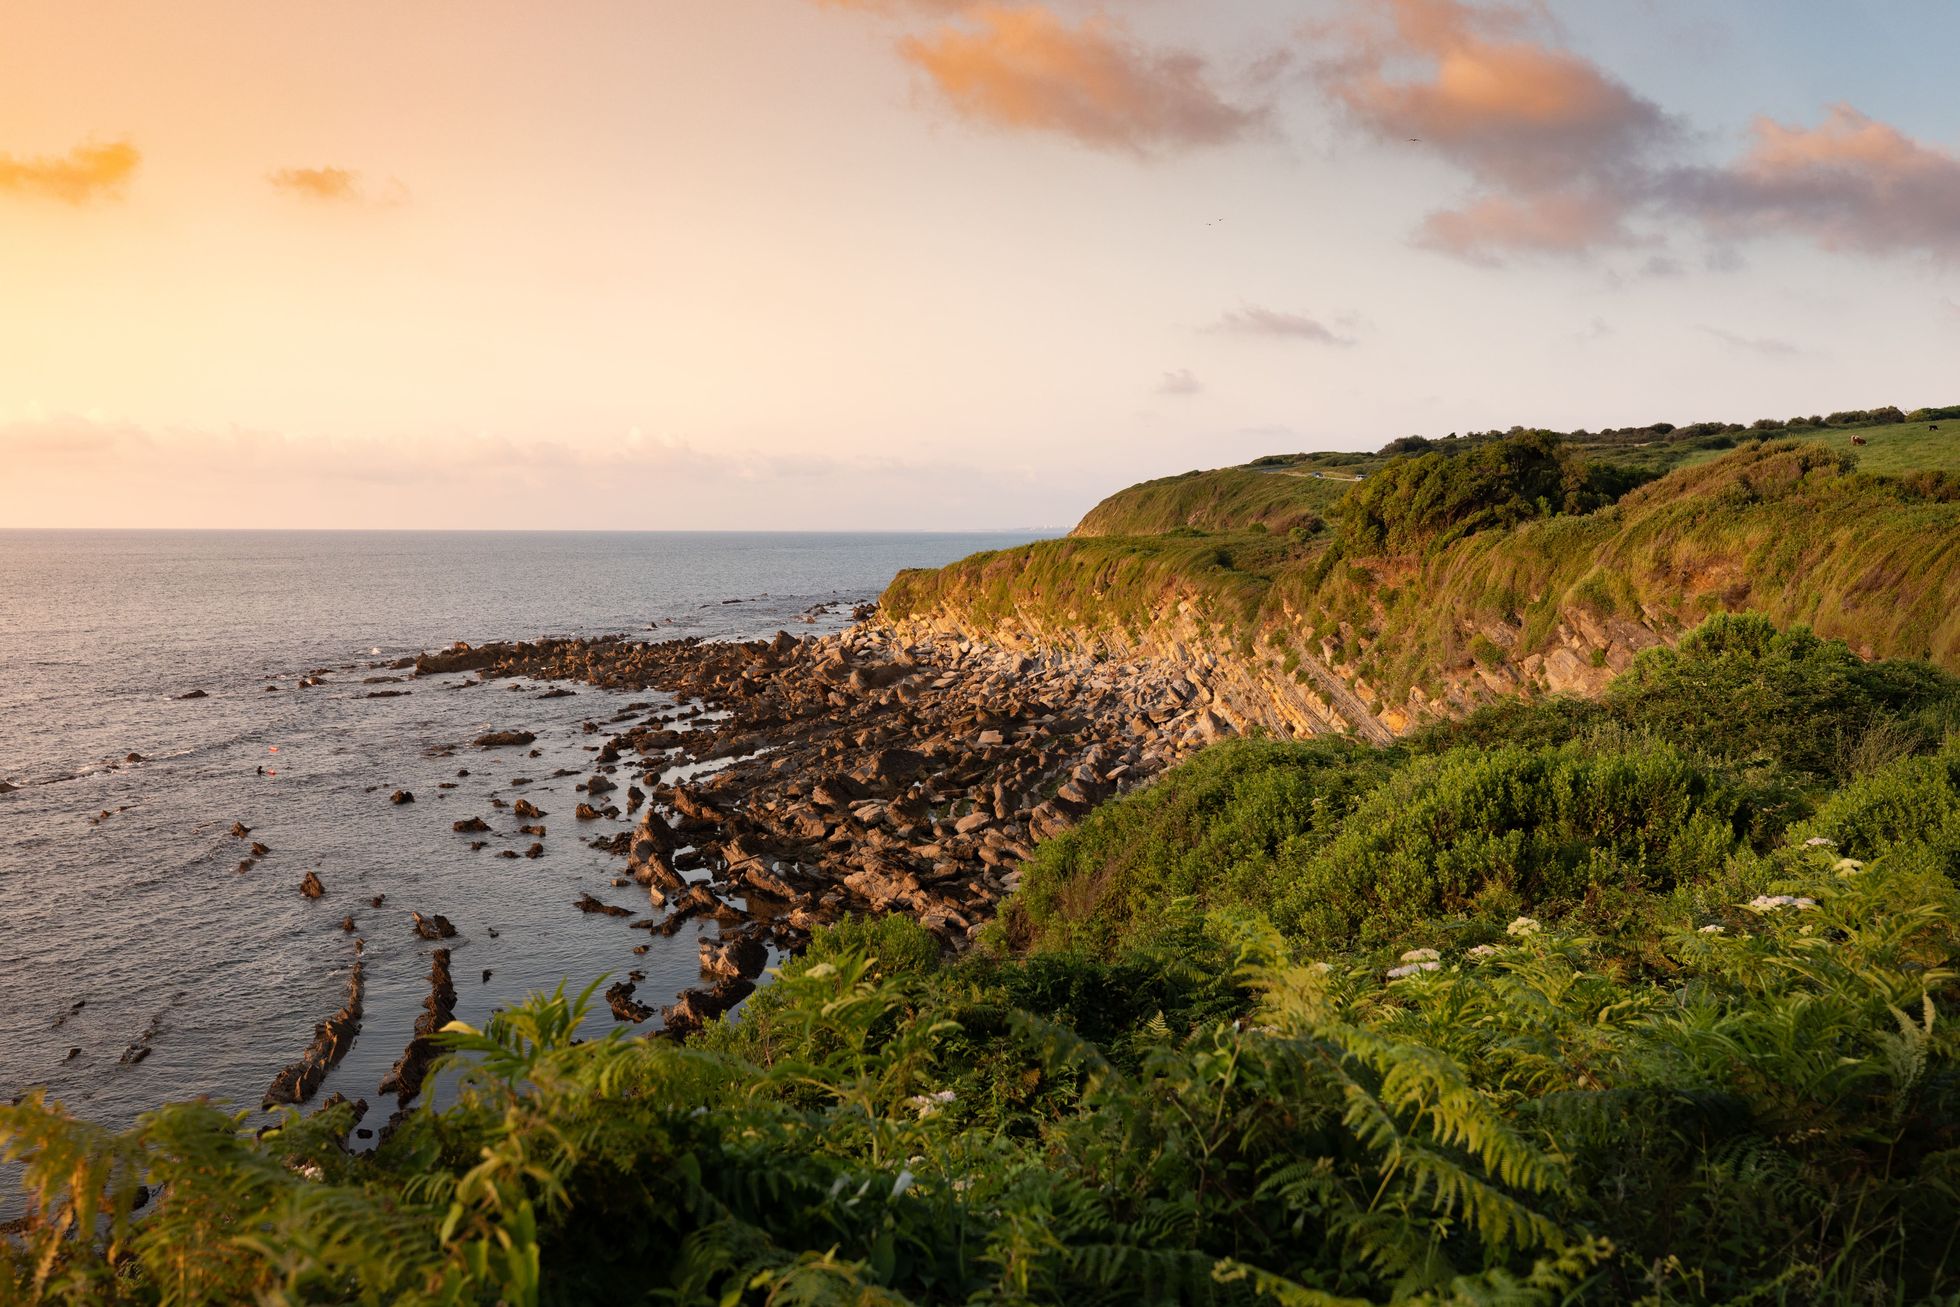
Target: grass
1281	491
1781	527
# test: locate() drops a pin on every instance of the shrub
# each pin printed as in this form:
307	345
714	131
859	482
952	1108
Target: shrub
1421	503
1496	832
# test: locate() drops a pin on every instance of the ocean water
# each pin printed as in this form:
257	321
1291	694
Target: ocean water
124	917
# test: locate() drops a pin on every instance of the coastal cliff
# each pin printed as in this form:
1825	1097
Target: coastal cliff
1302	634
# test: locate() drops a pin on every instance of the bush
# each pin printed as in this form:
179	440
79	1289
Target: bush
1491	833
1424	502
1741	690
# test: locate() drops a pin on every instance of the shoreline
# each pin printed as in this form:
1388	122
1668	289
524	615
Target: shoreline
858	772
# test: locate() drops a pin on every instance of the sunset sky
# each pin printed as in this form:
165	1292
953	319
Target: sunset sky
924	263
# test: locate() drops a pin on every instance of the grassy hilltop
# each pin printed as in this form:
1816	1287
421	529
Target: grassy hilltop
1448	576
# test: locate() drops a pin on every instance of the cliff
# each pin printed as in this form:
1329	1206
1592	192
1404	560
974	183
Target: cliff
1297	634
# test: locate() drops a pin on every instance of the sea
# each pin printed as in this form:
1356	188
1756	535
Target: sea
126	921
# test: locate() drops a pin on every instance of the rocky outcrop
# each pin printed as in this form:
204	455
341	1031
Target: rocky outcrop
861	772
331	1040
405	1078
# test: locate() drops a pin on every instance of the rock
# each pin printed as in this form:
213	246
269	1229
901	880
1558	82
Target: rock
259	850
347	923
527	810
470	826
404	1079
331	1040
535	851
377	900
239	830
503	739
586	903
893	766
744	955
194	694
311	886
696	1007
620	999
435	926
133	757
883	886
400	797
599	784
586	812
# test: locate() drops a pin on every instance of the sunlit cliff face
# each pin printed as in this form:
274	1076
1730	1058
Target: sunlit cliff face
926	263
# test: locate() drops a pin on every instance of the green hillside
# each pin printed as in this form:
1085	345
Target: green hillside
1787	528
1287	491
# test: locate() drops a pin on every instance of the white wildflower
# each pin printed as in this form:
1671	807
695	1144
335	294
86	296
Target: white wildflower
1819	842
1712	930
1421	955
1848	866
1523	928
927	1104
1482	951
1771	902
901	1184
1410	969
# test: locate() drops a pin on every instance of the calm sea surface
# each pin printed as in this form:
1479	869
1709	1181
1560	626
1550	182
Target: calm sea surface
122	909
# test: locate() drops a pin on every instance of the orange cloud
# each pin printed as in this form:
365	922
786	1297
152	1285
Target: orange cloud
87	172
1554	222
318	183
1024	69
1851	183
1556	145
1503	105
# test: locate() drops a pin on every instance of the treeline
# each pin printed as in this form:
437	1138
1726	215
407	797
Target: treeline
1668	432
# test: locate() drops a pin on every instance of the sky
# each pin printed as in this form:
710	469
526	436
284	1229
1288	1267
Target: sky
928	264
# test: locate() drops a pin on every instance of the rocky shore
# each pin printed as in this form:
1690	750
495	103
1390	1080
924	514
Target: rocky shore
798	780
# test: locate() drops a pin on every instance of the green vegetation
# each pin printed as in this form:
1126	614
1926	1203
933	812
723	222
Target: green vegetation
1787	528
1639	1001
1425	501
1289	491
1231	499
1589	811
